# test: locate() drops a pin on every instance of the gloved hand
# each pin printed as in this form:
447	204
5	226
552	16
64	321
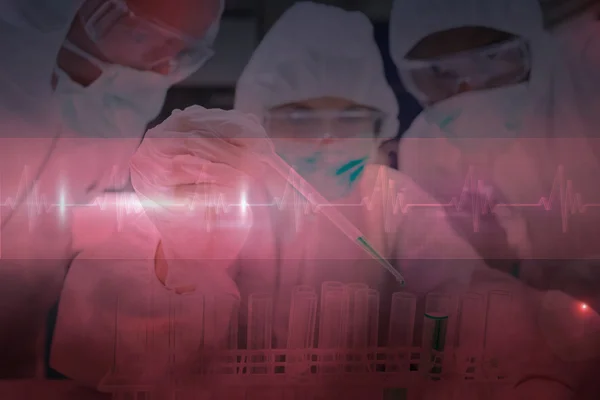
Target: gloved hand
194	174
577	278
198	146
570	327
501	237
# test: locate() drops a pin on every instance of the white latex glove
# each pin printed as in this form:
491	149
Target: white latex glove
193	174
570	327
502	238
577	278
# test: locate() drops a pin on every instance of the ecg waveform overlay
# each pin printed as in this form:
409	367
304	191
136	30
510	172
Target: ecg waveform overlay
472	194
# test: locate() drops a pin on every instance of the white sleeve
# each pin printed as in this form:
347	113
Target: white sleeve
123	268
84	336
430	252
83	342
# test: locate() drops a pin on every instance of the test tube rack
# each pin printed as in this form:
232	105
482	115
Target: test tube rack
346	353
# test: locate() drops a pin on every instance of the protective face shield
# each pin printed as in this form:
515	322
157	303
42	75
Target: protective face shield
146	44
435	80
328	148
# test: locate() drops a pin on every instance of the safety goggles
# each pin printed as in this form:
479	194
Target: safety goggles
301	124
434	80
123	36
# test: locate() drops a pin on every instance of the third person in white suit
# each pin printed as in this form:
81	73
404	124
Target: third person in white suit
506	104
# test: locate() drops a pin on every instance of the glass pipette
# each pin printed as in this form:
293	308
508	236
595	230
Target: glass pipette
332	213
271	158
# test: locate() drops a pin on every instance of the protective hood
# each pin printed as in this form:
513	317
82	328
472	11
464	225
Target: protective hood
315	50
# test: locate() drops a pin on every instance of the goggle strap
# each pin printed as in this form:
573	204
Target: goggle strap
83	54
104	17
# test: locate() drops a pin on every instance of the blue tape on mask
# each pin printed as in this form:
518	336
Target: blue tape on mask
332	181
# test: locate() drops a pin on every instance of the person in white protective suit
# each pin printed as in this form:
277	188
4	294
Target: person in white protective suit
77	96
323	98
148	276
510	111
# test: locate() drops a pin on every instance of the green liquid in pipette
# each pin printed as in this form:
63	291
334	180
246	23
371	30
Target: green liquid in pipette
362	241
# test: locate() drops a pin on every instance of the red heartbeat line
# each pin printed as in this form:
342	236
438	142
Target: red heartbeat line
562	191
38	203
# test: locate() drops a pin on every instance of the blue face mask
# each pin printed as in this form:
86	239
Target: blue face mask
494	113
332	169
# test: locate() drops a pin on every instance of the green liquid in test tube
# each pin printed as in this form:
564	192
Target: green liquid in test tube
435	329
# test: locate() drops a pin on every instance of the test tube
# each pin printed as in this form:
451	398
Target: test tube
160	332
260	331
435	330
301	332
225	315
234	329
131	346
303	314
471	327
358	312
499	307
358	328
202	325
187	325
364	320
260	321
334	313
373	323
402	320
221	315
333	325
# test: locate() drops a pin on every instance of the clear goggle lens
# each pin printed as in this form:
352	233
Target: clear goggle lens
485	68
304	124
146	44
